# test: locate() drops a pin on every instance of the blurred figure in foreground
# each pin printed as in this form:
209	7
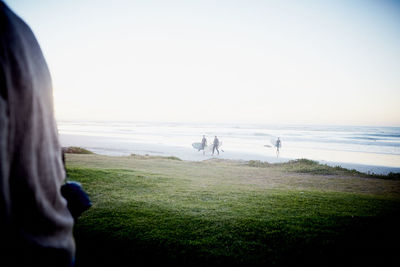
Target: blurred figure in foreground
278	145
35	223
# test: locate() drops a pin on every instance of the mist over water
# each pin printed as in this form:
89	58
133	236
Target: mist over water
378	146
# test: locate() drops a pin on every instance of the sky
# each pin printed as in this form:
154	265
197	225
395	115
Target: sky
273	62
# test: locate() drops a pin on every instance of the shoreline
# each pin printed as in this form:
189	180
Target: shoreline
362	168
125	147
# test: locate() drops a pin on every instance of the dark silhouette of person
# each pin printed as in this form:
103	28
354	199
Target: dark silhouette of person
215	145
35	223
278	145
203	144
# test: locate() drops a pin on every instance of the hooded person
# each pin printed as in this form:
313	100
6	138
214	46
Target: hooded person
35	223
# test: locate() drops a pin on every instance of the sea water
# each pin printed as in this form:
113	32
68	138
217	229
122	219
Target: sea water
368	149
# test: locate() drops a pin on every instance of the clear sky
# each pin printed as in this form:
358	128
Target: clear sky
313	62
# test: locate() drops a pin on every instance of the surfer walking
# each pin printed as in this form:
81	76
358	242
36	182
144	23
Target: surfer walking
203	144
278	145
215	145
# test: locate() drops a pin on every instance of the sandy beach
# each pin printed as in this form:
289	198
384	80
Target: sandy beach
123	146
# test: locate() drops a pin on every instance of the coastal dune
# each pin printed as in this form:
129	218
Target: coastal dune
162	210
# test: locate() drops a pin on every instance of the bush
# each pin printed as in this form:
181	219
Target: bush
76	150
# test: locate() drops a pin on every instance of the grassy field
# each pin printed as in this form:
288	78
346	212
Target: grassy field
154	210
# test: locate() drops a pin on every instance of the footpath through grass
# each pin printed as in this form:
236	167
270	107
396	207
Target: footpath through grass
162	211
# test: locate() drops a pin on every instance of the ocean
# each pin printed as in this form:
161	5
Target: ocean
367	149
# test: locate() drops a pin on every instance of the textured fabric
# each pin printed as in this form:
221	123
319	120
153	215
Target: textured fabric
33	212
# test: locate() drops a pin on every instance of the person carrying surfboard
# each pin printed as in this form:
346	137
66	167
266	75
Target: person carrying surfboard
215	145
278	145
203	144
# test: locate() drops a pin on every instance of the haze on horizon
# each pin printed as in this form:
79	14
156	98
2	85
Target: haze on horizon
313	62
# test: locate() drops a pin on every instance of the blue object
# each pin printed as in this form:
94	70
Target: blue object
78	200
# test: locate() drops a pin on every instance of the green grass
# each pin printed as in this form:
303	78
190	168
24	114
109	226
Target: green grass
313	167
306	166
162	211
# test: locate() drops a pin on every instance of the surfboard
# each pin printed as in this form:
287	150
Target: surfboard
197	146
220	144
273	142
